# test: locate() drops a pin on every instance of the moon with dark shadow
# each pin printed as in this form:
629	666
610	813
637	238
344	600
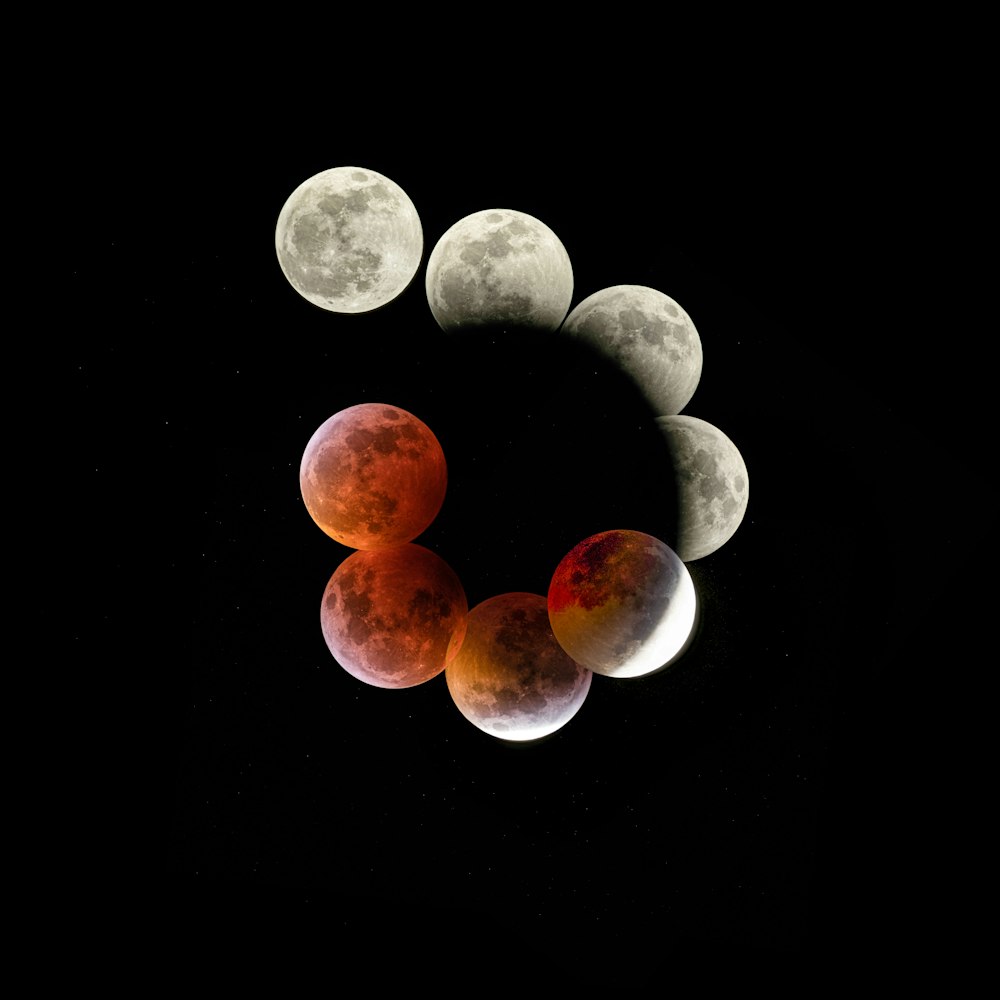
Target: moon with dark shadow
349	240
713	487
499	268
393	618
622	603
511	678
373	476
648	336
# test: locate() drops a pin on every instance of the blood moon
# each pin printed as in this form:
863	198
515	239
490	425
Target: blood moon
373	476
393	618
622	603
510	678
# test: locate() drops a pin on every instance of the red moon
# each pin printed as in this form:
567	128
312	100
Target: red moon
394	618
511	679
373	476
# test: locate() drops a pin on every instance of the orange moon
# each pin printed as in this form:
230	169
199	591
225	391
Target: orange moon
510	678
393	618
373	476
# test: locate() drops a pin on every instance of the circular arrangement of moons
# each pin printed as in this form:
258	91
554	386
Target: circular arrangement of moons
499	268
510	678
622	603
394	618
349	240
373	476
713	487
648	336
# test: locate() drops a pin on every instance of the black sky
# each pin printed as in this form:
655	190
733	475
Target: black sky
756	801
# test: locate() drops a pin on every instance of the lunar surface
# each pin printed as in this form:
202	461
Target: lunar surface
622	603
499	268
713	487
349	240
394	617
510	677
373	476
648	336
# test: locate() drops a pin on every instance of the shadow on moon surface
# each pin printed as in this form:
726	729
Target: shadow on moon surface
547	443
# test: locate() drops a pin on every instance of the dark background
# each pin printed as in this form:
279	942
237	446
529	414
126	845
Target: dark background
760	804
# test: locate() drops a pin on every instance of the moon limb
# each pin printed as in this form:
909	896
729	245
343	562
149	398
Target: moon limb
349	239
713	485
648	336
499	267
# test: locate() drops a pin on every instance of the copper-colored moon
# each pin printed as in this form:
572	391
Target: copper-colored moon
394	618
622	603
510	678
373	476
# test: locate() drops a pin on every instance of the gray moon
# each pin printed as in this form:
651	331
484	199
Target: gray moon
349	240
713	486
510	678
648	336
499	268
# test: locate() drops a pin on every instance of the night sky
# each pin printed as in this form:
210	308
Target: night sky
749	807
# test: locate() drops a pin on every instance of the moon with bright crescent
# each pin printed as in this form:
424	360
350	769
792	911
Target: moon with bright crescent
648	336
713	486
622	604
510	677
499	268
349	240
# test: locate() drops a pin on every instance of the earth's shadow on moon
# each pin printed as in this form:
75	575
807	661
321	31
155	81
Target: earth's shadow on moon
547	442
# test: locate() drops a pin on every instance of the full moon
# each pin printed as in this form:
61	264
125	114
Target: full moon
648	336
713	487
510	678
394	617
622	603
499	268
349	240
373	476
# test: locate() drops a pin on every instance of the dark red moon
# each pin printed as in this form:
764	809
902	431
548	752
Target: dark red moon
373	476
394	618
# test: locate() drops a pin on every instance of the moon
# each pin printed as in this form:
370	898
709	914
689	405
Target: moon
648	336
499	268
373	476
622	604
510	678
713	487
393	618
349	240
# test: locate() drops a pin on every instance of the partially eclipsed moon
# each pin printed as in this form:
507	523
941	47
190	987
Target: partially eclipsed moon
349	240
511	679
622	603
499	268
648	336
393	618
373	476
713	487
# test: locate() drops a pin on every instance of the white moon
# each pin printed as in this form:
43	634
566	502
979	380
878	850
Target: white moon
648	336
499	268
713	487
349	240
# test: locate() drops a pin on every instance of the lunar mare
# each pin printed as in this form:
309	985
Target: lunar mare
511	678
349	239
373	476
713	486
393	618
622	603
499	268
648	336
